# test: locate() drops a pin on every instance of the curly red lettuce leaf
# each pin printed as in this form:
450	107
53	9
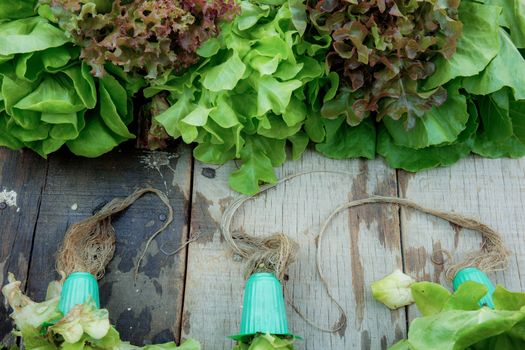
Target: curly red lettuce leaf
147	37
382	49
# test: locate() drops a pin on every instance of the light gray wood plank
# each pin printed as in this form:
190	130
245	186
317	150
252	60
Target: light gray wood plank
492	191
360	247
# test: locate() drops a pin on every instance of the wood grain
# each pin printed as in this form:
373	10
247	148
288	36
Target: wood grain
24	173
361	246
148	310
492	191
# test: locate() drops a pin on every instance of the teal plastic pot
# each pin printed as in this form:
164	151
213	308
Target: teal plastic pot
264	309
475	275
78	288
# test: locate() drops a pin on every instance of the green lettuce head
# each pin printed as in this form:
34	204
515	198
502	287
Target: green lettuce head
48	97
255	89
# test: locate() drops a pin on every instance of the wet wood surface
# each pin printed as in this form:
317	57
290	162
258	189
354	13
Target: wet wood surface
198	292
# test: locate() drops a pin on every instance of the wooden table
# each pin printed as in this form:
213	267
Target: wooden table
198	292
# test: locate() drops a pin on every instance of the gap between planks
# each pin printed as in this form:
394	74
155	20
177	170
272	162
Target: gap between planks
42	190
401	244
178	336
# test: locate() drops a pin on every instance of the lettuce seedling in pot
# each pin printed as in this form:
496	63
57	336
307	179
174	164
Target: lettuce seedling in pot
264	325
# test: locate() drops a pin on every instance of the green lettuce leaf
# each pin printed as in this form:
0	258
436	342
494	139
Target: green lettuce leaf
507	300
225	76
252	93
439	125
429	157
430	298
477	46
497	74
517	115
502	132
95	139
455	321
457	329
259	157
345	141
513	18
265	342
50	98
15	9
29	35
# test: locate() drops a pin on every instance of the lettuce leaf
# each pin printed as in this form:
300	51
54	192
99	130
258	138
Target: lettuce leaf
27	314
433	156
82	319
497	74
147	38
382	51
476	47
439	125
457	322
255	89
501	133
345	141
15	9
50	99
491	125
29	35
513	18
394	290
265	342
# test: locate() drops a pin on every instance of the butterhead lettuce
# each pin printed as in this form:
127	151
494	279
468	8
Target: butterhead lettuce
48	97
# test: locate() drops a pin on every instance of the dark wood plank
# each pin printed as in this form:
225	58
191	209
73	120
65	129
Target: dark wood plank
148	311
22	173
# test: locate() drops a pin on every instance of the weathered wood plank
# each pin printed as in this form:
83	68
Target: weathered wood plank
21	174
149	310
491	190
361	246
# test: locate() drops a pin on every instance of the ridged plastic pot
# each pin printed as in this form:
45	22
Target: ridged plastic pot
264	309
475	275
78	288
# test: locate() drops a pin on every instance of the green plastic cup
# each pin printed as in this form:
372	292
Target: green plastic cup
78	288
475	275
264	309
